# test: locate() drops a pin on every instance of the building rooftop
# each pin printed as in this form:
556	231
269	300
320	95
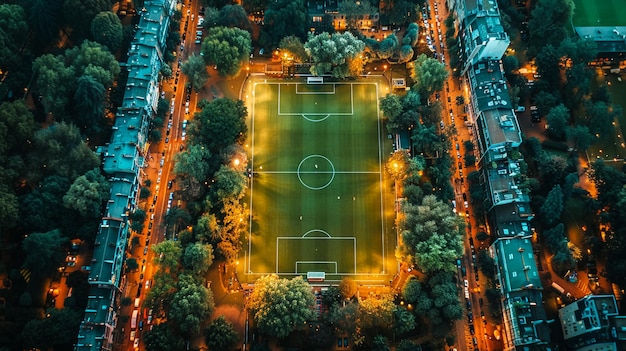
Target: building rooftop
512	219
92	334
490	100
608	39
526	320
586	321
516	264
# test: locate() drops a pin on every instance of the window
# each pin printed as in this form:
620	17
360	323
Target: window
317	18
510	256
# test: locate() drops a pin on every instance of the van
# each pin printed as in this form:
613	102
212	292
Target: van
137	302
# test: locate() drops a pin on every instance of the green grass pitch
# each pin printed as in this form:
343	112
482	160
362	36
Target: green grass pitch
599	13
316	194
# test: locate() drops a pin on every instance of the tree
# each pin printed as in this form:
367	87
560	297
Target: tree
161	337
412	290
294	48
334	54
80	13
403	320
283	18
411	35
388	47
227	48
131	264
557	121
167	255
547	24
57	330
221	123
233	16
106	29
13	29
376	312
431	235
193	162
54	82
408	345
89	103
391	106
401	12
355	11
582	137
60	149
380	344
220	334
87	193
429	75
229	184
191	306
280	306
198	258
347	287
195	69
91	58
43	251
406	54
17	127
44	18
553	206
40	210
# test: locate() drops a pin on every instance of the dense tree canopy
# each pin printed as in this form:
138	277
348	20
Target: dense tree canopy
87	194
195	69
191	306
429	75
220	335
339	54
221	123
431	235
283	18
279	306
106	29
227	48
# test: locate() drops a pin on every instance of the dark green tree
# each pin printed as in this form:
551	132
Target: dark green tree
89	104
233	16
283	18
195	69
221	123
191	305
56	330
220	334
106	29
227	48
553	206
280	306
557	121
43	251
87	194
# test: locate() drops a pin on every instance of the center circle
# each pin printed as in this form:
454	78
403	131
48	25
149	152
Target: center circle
311	169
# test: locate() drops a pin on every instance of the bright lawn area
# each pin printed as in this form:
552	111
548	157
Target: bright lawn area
318	197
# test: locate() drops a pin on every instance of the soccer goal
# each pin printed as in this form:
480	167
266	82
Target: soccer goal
315	80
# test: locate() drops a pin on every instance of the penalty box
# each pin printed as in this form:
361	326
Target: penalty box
316	251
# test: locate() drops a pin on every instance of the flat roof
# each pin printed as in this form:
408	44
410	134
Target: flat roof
589	314
608	39
527	319
511	219
516	264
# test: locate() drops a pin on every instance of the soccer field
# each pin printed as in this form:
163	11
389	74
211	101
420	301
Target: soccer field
317	187
599	13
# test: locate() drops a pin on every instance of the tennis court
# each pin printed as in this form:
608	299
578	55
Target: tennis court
599	13
316	194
